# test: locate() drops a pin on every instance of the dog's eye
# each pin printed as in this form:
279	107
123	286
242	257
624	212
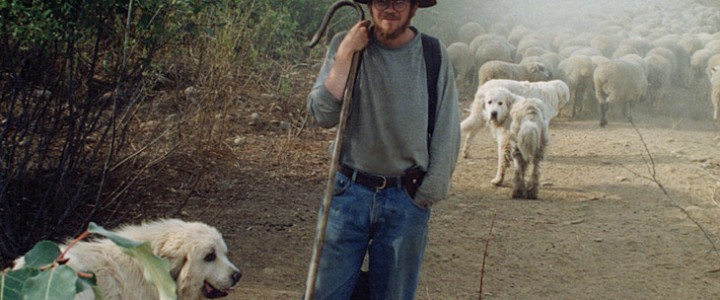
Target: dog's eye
210	257
500	103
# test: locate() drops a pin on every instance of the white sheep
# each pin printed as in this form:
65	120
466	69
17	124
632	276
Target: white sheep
658	76
637	60
623	50
577	71
487	48
681	75
587	51
517	33
712	70
618	81
712	63
698	62
549	60
469	31
597	60
499	29
461	59
715	91
640	44
530	41
504	70
606	43
690	43
668	54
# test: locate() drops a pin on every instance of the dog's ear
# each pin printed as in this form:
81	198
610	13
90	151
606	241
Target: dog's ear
176	265
174	253
481	97
508	99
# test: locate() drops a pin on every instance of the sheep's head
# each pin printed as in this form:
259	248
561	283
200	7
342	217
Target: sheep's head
539	72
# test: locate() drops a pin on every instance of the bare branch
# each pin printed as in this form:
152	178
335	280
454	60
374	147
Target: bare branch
674	202
485	254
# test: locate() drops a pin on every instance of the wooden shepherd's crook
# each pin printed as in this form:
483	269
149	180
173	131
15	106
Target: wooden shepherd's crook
347	96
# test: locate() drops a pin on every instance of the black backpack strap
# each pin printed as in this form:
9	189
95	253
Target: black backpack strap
431	53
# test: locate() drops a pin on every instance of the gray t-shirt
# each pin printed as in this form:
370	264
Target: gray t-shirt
386	131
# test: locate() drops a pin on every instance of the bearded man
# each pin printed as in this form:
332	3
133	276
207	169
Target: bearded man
391	170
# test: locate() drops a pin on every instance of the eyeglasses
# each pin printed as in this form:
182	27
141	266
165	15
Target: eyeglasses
399	5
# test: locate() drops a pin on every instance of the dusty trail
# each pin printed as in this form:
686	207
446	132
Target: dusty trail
599	231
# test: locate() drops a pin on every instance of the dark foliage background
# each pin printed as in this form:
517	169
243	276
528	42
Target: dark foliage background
101	101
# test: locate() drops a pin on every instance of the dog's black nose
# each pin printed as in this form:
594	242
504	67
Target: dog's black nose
235	277
493	115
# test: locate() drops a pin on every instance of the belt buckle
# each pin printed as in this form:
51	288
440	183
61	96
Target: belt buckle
384	183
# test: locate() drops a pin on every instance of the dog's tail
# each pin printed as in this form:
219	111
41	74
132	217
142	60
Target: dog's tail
529	139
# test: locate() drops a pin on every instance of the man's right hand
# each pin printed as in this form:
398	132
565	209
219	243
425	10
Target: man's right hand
356	38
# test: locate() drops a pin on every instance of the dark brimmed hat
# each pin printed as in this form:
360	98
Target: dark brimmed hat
423	3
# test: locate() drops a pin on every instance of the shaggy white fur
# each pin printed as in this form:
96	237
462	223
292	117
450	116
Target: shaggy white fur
495	107
528	139
197	254
555	94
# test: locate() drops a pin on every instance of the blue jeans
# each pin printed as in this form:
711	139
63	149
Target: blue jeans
388	225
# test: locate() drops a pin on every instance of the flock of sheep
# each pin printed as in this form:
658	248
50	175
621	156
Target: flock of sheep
620	54
617	53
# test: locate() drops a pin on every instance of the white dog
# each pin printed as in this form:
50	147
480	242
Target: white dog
496	106
555	94
197	254
528	139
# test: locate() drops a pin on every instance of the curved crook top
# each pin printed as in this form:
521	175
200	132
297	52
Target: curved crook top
323	26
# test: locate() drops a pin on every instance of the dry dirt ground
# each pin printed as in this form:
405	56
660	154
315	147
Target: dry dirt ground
602	228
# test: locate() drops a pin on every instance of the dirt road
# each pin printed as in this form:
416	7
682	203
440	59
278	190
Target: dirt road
602	229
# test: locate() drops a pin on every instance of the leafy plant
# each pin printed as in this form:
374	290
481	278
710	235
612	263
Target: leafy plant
45	274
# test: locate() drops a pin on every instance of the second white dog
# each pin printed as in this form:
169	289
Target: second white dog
497	110
555	95
528	139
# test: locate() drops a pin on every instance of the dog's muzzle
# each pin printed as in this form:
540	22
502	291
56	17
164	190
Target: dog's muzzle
211	292
493	115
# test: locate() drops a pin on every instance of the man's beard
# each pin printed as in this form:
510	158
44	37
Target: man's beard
394	34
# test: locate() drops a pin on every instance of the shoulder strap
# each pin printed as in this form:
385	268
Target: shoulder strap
431	53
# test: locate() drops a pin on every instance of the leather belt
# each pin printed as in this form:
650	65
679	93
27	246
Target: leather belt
369	180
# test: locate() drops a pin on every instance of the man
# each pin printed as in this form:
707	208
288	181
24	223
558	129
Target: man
376	208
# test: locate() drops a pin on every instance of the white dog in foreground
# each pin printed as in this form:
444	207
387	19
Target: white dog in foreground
498	111
555	94
528	139
197	254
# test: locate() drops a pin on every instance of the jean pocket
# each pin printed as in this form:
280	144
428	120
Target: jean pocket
412	201
341	184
